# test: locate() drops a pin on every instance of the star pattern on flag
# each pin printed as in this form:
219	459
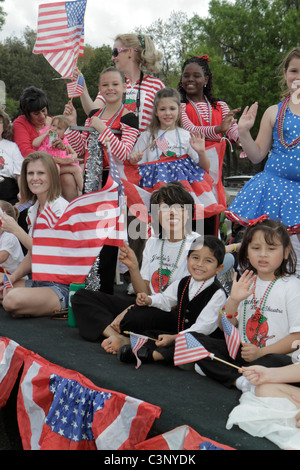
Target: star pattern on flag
75	13
73	408
183	169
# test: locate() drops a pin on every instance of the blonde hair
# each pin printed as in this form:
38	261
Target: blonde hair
171	93
7	127
295	52
9	209
52	171
62	120
148	57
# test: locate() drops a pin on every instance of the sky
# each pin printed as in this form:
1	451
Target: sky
103	19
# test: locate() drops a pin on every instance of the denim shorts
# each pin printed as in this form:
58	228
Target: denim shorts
61	290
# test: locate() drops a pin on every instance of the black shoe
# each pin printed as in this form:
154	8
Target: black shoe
125	354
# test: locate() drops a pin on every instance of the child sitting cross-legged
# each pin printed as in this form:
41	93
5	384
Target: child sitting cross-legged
197	298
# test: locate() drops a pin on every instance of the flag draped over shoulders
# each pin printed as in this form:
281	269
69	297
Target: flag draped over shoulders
60	34
66	252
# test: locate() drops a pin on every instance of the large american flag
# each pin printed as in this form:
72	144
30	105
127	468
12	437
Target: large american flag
232	336
60	35
60	409
188	349
66	251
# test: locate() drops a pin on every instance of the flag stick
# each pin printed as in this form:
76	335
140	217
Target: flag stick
135	334
224	362
153	142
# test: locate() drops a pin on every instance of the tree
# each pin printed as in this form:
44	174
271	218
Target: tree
2	15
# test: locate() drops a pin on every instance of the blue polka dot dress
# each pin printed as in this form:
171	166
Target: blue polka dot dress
275	192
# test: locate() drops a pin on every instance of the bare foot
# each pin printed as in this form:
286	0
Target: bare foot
113	343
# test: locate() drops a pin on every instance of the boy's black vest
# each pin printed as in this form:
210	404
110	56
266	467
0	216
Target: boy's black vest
188	311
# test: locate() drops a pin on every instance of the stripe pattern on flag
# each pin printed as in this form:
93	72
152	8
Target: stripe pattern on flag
188	349
232	336
75	89
66	252
60	34
137	341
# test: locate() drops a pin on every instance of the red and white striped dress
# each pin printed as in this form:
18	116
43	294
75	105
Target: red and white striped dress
148	89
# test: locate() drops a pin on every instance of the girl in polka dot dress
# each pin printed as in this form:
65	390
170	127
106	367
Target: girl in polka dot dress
274	192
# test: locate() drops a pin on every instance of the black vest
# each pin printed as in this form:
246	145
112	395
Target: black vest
188	311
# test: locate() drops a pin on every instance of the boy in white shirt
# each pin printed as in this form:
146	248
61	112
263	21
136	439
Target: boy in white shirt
197	299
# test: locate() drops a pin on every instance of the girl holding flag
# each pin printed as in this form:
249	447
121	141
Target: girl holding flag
263	304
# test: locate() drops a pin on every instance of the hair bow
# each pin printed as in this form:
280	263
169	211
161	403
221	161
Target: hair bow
205	57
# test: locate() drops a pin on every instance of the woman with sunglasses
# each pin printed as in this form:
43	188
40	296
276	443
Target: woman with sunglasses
133	54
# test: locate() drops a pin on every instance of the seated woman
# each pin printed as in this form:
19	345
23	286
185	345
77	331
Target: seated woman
39	183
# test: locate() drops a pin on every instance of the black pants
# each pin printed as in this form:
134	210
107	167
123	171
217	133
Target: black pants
94	311
225	374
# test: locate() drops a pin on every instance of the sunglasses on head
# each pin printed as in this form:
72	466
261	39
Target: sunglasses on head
117	50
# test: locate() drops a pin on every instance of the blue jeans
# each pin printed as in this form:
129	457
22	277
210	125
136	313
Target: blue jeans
61	290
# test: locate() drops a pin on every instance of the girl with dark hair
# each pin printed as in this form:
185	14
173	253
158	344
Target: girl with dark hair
201	111
263	305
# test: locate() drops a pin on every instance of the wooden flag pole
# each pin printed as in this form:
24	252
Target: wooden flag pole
135	334
224	362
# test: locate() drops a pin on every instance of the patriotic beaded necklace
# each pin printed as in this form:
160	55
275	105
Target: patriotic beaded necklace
281	118
209	108
162	288
259	309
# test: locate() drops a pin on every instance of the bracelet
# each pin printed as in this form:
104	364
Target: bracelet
234	247
222	312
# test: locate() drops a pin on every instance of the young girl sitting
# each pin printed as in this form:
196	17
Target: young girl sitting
66	160
263	303
167	152
11	253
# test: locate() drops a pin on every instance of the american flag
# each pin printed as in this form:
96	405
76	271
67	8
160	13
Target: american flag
137	341
188	349
60	409
6	282
11	361
66	251
75	88
232	336
60	35
161	143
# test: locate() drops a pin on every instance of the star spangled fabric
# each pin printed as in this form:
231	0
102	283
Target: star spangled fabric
188	349
59	409
141	180
75	89
136	342
11	360
232	336
66	252
181	438
60	34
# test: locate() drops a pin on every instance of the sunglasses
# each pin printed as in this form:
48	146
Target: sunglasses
116	51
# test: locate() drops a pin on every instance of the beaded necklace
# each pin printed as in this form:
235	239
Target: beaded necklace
281	118
180	321
259	309
162	288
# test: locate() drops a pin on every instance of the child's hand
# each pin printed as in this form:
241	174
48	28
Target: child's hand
164	340
9	224
70	113
240	289
247	118
250	352
135	157
197	141
98	124
257	375
229	120
143	299
128	257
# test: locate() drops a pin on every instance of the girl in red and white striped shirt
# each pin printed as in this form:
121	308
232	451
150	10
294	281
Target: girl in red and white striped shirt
112	116
133	54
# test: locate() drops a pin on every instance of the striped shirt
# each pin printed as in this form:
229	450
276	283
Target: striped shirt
120	148
148	89
209	131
